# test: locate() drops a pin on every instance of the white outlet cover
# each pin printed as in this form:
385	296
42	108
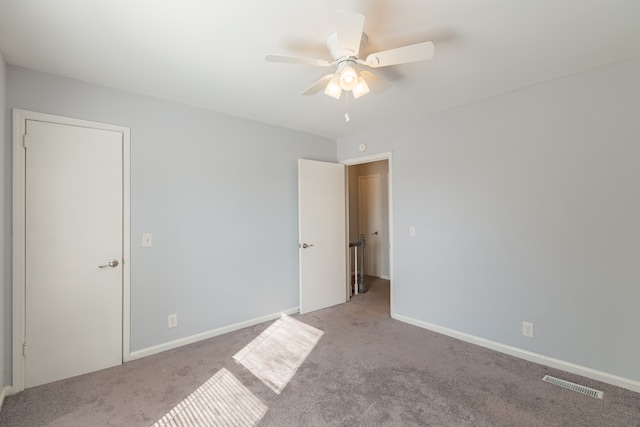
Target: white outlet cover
527	329
147	240
172	320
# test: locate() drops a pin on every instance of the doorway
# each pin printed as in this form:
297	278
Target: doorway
70	248
369	200
370	207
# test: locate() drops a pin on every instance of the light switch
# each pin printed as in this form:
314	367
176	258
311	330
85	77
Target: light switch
147	240
412	231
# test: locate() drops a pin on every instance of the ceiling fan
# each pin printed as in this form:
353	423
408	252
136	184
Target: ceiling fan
345	46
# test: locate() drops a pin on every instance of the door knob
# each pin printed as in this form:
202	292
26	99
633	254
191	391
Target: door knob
112	263
305	246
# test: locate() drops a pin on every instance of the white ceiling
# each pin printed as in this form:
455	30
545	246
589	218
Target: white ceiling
210	53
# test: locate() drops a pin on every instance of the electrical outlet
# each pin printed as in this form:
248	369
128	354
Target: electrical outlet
172	320
527	329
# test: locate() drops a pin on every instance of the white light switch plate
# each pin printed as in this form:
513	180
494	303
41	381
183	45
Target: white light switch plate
147	240
412	231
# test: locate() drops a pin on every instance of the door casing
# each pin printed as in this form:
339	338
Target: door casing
18	249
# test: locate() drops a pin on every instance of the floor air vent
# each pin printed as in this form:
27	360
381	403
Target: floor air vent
575	387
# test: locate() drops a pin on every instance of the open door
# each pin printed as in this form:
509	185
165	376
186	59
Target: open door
323	239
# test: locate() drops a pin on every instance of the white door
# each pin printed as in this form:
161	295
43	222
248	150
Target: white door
370	222
323	238
74	226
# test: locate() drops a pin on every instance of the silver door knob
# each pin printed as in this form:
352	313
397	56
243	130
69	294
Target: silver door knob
305	246
112	263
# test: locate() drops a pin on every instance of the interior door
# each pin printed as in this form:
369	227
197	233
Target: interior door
73	250
322	231
370	222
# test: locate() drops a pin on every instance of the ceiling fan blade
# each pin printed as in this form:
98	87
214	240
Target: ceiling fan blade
401	55
318	86
349	29
376	84
297	60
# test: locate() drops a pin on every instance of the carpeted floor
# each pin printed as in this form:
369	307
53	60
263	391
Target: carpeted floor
349	365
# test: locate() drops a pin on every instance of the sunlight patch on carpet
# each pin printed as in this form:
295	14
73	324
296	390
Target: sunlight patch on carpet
221	401
276	354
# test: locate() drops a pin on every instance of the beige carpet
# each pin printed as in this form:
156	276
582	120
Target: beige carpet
349	365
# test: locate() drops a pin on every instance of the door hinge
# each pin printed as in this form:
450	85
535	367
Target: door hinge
24	141
24	349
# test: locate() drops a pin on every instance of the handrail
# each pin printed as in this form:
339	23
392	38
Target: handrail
359	244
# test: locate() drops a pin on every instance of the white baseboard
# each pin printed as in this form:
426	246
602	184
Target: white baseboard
6	391
209	334
385	277
551	362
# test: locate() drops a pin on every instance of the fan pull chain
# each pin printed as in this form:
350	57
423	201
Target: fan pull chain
346	107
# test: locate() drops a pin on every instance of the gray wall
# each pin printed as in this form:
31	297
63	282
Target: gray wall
5	239
218	193
526	208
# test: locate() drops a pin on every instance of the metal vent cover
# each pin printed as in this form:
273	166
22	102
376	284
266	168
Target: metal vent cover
573	386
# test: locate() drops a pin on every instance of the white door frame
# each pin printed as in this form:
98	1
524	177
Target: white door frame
369	159
19	263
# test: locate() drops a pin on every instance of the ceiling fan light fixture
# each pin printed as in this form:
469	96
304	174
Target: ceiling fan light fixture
345	46
348	78
333	88
361	89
